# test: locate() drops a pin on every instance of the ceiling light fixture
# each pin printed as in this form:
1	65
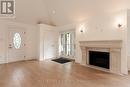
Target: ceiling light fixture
53	12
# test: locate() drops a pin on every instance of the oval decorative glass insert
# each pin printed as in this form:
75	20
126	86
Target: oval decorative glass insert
17	40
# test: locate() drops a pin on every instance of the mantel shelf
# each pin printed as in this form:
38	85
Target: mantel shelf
102	43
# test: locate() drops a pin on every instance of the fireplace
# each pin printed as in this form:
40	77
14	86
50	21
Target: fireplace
100	59
104	54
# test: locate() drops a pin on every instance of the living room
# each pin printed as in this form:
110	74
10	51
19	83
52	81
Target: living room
63	43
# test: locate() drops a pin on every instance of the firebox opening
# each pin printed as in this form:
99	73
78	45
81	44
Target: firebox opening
100	59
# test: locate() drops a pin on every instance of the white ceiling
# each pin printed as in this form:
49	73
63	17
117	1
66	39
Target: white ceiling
61	12
31	11
69	11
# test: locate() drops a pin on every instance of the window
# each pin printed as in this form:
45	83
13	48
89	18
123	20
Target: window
67	44
17	40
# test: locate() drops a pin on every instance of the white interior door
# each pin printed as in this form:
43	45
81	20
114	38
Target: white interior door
16	45
50	44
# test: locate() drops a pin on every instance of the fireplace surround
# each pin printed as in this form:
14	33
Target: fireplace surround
111	46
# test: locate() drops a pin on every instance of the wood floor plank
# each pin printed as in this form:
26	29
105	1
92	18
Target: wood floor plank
52	74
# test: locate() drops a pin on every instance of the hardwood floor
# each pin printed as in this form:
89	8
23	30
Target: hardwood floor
51	74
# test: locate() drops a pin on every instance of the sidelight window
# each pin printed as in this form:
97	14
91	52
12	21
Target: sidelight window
67	44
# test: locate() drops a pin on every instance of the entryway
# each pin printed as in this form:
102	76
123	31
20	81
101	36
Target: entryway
16	44
67	44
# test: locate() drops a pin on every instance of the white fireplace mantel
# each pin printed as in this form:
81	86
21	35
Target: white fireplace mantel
114	47
102	43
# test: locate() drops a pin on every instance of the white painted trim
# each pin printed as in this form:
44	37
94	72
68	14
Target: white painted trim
128	63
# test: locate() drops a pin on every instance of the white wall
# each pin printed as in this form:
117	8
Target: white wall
2	42
128	37
104	27
48	42
100	28
66	27
30	39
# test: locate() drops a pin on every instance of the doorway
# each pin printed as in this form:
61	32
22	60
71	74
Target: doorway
67	44
16	45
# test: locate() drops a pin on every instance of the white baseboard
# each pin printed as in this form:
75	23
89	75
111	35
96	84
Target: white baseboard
2	62
28	59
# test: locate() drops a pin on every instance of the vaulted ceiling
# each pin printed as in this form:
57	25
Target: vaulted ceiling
69	11
31	11
61	12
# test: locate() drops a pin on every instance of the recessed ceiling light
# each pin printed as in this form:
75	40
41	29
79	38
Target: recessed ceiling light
53	12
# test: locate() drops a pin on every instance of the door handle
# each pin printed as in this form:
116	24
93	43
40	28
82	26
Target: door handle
10	47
